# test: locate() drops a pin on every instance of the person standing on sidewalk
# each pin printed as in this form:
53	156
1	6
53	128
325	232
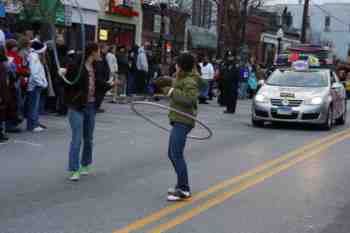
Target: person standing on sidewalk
183	97
102	75
7	107
208	73
142	71
123	68
37	83
81	101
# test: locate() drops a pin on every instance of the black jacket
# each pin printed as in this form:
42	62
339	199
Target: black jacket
76	96
230	74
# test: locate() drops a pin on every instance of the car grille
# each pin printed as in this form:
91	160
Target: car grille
274	114
292	103
310	116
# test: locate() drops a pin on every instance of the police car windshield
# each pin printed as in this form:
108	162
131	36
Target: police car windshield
298	79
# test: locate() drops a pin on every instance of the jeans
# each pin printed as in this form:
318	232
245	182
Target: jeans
177	143
130	84
82	124
33	108
204	92
243	90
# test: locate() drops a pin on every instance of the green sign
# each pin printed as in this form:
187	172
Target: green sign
47	10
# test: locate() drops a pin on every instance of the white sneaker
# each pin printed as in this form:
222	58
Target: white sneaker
38	129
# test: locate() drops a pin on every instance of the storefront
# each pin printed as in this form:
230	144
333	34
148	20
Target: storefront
120	23
87	12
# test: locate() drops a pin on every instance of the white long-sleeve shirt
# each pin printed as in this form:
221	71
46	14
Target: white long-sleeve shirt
208	71
112	62
37	72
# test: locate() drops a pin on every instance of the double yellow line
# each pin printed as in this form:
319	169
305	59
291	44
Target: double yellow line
240	183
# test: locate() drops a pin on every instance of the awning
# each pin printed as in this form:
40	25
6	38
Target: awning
203	38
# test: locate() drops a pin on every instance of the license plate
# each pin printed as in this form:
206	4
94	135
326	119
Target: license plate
284	111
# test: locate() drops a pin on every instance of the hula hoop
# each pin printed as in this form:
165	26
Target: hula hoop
54	47
133	107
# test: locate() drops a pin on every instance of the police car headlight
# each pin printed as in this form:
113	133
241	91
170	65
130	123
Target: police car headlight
259	98
315	101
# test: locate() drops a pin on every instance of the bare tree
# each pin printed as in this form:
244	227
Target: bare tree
233	18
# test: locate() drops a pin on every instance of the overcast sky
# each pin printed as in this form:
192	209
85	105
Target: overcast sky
296	1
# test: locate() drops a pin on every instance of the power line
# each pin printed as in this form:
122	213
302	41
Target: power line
330	15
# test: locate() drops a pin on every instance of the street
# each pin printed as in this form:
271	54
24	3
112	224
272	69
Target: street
278	179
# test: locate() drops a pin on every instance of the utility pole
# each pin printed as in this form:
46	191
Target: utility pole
305	21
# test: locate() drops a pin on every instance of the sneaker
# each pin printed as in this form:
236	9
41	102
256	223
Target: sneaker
84	171
38	129
74	176
42	126
179	195
171	191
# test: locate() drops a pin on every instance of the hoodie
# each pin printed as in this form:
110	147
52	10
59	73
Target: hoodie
142	63
37	72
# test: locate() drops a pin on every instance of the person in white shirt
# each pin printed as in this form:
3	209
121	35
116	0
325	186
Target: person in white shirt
37	83
208	73
113	67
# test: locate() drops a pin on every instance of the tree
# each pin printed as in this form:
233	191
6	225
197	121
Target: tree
233	16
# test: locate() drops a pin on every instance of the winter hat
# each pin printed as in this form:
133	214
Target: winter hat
38	47
10	44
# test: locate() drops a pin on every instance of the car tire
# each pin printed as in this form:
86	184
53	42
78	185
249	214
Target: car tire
328	124
342	119
257	123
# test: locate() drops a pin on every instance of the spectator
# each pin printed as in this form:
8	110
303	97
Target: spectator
20	72
123	66
113	67
131	82
37	83
7	107
208	73
102	75
142	71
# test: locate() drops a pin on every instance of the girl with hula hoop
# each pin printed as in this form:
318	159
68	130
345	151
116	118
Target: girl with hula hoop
183	97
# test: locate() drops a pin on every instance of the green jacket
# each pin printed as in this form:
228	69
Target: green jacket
184	98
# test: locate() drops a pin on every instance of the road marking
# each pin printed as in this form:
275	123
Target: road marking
220	198
141	223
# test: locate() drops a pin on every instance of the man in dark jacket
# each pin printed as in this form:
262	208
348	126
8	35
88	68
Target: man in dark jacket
102	76
230	75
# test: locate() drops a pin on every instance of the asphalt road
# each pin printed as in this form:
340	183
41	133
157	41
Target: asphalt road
278	179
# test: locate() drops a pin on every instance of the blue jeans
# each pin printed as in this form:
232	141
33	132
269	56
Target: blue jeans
82	124
177	143
204	92
130	84
243	90
33	108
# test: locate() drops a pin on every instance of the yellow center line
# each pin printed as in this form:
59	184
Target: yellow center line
141	223
220	198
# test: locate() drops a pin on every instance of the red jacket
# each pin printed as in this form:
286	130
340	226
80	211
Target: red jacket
21	69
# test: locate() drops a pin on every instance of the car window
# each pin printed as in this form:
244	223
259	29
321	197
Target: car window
298	79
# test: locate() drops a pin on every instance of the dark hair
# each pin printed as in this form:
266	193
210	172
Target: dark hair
186	62
91	47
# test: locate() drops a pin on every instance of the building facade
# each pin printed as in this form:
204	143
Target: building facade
120	22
